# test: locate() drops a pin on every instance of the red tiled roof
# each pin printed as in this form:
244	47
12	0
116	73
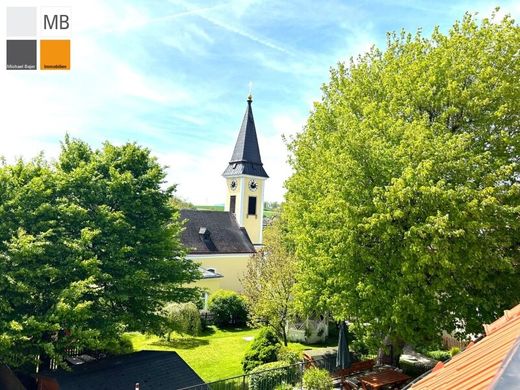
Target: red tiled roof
477	366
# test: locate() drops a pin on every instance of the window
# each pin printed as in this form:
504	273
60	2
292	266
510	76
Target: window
251	207
232	203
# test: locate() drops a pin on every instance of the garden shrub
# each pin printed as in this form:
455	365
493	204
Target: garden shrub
228	308
317	379
439	355
183	318
286	355
270	375
415	369
454	351
263	349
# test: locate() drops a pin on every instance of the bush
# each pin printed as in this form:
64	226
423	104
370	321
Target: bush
439	355
414	369
228	308
286	355
183	318
317	379
263	349
454	351
119	346
270	375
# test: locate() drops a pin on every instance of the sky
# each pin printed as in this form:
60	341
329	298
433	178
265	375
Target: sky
174	76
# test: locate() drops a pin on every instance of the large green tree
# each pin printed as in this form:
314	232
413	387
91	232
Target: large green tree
89	248
269	280
404	205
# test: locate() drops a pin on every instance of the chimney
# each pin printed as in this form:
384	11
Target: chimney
204	233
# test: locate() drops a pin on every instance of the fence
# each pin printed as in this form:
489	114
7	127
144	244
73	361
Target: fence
291	374
263	380
448	342
207	318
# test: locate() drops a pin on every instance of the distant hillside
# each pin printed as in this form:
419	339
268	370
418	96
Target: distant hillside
217	207
268	213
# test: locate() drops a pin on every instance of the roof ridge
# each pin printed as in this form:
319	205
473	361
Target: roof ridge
499	323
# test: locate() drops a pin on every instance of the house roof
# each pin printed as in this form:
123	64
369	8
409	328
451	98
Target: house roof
209	274
8	380
151	369
214	232
246	158
493	362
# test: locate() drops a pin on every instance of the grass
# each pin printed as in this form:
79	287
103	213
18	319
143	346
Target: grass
214	355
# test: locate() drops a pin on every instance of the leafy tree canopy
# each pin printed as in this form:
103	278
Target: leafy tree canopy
180	203
404	205
269	280
89	247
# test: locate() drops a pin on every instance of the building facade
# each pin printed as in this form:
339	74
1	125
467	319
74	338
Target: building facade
222	242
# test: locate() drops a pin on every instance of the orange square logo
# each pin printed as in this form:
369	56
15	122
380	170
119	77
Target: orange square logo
54	54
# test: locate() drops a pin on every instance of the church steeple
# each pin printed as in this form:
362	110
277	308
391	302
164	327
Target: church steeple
246	158
245	178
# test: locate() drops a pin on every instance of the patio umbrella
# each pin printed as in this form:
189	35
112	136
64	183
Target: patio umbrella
343	357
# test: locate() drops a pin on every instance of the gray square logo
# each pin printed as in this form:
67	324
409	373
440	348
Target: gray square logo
21	21
21	54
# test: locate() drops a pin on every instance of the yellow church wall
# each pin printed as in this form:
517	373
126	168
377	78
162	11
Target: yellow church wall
237	191
212	284
231	266
252	223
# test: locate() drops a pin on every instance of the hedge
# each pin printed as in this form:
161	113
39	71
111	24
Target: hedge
270	375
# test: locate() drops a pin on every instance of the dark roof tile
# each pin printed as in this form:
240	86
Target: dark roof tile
223	235
151	369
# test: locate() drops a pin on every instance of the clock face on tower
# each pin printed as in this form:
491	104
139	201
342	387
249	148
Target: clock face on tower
233	185
253	185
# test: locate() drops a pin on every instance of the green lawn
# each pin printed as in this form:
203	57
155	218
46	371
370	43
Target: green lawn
211	208
217	354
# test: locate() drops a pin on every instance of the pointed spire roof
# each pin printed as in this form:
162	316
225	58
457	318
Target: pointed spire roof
246	158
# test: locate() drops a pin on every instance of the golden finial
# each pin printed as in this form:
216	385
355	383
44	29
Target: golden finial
250	97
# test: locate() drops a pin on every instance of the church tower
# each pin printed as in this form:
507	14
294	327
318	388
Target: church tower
245	177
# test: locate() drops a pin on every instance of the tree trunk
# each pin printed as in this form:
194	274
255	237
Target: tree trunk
284	333
391	350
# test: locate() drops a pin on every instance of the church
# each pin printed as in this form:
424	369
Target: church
223	241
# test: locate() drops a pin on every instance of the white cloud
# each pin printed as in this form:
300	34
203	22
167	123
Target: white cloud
199	176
